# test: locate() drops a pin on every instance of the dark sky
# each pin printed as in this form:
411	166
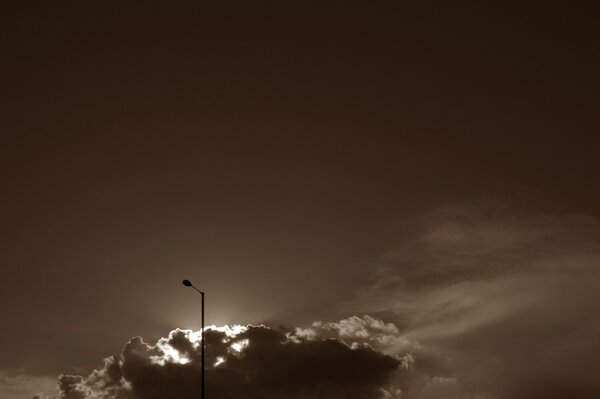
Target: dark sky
281	156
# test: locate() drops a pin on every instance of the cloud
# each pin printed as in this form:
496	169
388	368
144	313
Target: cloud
481	300
500	302
250	362
16	385
355	329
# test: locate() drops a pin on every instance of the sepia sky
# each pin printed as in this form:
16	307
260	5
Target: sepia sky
426	175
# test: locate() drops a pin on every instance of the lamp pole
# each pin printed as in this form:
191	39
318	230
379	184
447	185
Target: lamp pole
188	283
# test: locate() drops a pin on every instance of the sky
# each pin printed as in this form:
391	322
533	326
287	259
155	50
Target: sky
408	187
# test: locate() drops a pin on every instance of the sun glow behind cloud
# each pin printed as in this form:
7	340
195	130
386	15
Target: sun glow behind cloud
240	345
166	353
220	360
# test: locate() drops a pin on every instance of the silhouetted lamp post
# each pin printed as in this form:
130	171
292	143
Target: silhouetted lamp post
188	283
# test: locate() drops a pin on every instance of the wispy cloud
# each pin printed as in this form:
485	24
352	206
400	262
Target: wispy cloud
18	385
507	298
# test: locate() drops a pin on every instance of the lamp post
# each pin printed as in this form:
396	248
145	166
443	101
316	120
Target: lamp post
188	283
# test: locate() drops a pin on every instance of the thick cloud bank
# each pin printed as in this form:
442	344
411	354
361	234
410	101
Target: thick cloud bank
250	362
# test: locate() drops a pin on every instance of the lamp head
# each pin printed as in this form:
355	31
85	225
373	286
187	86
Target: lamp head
187	283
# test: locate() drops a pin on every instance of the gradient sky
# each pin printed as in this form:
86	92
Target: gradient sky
298	163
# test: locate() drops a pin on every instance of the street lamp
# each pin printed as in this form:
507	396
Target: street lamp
188	283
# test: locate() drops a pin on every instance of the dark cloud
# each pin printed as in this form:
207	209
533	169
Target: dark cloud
254	362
